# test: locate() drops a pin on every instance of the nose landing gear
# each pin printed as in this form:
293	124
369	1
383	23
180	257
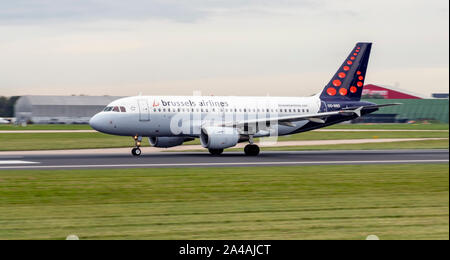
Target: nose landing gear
136	151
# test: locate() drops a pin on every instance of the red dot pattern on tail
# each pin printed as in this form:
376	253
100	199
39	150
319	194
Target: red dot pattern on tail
331	91
343	91
337	83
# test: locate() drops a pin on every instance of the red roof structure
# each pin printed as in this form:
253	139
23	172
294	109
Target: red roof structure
387	93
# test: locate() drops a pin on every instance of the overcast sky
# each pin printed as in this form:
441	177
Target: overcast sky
219	47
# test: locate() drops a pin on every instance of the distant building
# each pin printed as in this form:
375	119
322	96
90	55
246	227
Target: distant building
440	95
59	109
380	92
414	107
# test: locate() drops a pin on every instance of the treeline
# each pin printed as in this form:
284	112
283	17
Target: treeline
7	106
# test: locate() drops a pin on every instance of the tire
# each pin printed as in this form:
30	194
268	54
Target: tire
251	150
215	151
136	152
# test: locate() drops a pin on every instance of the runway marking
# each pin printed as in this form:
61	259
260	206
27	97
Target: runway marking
16	162
222	164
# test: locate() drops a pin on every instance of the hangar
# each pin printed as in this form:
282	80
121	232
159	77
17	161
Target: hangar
59	109
414	108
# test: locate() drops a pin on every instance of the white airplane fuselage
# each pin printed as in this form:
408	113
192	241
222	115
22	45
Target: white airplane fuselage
168	116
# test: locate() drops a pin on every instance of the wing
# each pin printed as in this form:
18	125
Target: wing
316	118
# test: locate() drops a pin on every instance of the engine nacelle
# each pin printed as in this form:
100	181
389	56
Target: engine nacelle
166	142
219	137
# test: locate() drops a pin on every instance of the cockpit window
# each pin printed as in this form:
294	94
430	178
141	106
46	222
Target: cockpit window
107	109
123	109
116	109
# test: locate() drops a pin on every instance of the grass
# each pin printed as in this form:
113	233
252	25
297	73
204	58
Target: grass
55	141
434	126
361	135
314	202
44	127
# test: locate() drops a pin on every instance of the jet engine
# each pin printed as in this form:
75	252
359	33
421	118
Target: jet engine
219	137
166	142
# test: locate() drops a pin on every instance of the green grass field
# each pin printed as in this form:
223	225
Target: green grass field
434	126
52	141
314	202
44	127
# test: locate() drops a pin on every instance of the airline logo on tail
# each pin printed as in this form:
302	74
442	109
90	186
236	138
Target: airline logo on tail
348	82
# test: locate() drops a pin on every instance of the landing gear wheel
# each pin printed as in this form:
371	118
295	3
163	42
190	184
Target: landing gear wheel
251	150
215	151
136	152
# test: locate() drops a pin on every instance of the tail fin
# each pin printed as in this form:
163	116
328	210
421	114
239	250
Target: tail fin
348	82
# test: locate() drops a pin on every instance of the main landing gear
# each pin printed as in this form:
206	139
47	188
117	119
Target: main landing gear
136	151
251	149
215	151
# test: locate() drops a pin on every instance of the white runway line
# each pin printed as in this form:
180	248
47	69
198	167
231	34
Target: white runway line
222	164
16	162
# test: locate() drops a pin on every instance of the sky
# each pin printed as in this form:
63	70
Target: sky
217	47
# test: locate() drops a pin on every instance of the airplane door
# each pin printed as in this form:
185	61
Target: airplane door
323	107
144	110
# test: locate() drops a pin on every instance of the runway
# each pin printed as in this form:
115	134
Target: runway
228	159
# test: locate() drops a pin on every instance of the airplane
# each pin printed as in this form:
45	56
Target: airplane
222	122
3	121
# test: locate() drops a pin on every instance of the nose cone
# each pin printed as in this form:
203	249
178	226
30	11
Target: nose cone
96	122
